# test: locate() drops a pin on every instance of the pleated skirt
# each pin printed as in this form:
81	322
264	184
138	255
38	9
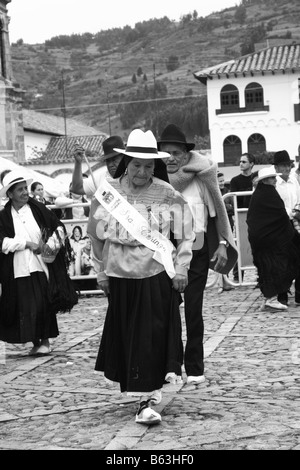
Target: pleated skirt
141	340
33	319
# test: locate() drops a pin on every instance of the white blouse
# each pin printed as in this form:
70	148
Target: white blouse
26	229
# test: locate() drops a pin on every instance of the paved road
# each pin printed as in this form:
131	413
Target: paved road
250	399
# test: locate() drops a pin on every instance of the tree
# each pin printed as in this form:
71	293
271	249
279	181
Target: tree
134	79
139	71
240	14
172	63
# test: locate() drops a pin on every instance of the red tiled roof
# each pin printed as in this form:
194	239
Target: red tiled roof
285	58
59	149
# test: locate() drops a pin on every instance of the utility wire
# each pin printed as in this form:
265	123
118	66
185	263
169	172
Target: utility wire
121	103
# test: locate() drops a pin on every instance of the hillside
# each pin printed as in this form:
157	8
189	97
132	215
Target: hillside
151	66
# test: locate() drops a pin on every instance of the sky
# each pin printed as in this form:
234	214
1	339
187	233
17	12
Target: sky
35	21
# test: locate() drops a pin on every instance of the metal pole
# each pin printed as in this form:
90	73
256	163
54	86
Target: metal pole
156	114
64	111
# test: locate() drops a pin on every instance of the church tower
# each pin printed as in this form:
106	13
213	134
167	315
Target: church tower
11	97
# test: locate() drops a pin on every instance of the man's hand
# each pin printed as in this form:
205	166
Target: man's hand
78	153
180	282
220	256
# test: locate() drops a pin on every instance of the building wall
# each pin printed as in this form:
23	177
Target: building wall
35	143
277	125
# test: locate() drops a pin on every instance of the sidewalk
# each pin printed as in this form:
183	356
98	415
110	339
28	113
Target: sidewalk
250	400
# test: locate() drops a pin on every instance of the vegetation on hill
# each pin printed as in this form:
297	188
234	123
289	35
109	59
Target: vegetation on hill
143	76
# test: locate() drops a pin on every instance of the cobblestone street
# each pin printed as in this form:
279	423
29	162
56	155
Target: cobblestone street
250	400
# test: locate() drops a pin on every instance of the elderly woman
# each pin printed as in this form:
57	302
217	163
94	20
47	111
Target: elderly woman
32	290
142	273
273	240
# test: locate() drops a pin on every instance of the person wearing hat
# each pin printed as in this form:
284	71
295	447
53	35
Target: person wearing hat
273	240
195	176
110	160
289	191
142	273
33	292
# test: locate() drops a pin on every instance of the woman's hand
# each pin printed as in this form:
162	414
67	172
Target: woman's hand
180	282
104	285
35	247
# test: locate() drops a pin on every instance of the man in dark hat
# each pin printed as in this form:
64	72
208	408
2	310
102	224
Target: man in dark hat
110	160
289	190
195	176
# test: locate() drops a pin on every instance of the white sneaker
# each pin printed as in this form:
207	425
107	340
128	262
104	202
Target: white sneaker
195	379
156	397
146	415
273	303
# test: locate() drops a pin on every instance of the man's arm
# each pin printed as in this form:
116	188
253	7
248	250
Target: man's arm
77	180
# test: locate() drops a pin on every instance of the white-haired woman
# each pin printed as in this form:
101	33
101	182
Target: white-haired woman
142	273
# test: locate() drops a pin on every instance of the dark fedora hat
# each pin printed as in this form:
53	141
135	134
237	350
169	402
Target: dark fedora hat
282	156
109	144
173	135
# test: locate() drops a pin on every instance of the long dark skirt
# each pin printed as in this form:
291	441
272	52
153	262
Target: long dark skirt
33	320
141	340
277	268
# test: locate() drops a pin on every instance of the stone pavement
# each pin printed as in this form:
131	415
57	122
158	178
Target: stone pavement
250	399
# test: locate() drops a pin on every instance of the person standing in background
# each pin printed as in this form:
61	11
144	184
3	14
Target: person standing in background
289	190
273	239
34	289
37	191
110	160
243	182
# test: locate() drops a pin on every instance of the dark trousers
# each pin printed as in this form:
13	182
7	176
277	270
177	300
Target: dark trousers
193	303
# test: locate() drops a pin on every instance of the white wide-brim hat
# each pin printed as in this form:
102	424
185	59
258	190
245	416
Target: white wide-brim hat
267	172
12	178
142	144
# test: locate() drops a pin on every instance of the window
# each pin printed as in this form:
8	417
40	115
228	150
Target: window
254	96
256	144
232	148
230	98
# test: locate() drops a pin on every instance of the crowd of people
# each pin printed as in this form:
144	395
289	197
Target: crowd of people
157	224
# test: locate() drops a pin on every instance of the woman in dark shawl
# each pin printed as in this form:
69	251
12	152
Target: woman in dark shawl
273	240
33	290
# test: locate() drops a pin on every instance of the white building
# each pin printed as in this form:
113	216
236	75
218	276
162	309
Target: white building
254	104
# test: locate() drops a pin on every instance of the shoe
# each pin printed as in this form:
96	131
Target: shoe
195	379
43	350
273	303
156	397
146	415
33	351
283	298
